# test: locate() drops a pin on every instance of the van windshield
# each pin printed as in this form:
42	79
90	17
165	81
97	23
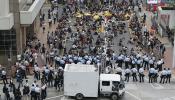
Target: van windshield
115	85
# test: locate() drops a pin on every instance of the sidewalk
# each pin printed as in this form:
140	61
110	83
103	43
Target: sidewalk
168	56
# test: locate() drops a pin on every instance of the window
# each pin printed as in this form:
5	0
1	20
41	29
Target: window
105	83
7	40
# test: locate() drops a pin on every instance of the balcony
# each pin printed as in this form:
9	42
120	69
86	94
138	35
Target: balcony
6	22
29	12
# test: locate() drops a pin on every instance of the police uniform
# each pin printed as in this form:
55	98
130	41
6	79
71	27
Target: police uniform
139	61
141	74
146	60
155	75
134	74
127	73
127	61
151	74
163	76
159	65
120	61
151	63
119	70
168	76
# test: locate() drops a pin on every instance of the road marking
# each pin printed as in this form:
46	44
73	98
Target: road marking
54	97
137	98
156	86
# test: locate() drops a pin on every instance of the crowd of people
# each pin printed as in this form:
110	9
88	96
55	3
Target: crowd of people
90	41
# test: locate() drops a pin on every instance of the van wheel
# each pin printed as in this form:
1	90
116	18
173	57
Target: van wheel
79	96
114	97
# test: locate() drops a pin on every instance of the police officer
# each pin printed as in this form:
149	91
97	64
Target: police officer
127	61
168	76
145	64
120	60
155	75
133	62
151	74
151	63
163	75
159	64
141	74
127	74
119	70
134	74
139	61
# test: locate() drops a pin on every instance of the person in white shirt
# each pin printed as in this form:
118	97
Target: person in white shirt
163	75
37	92
168	76
159	64
134	74
151	74
127	74
32	92
141	74
43	91
119	70
4	76
26	89
127	61
151	63
145	64
155	75
37	72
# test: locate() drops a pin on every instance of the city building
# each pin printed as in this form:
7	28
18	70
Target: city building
18	19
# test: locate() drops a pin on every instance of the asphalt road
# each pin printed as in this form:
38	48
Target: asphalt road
138	91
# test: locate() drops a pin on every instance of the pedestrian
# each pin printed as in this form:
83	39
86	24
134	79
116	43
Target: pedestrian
139	62
6	92
11	85
151	63
127	74
141	74
26	89
159	64
17	94
37	92
163	75
119	71
146	61
4	76
134	74
168	76
32	92
36	72
43	91
151	74
155	75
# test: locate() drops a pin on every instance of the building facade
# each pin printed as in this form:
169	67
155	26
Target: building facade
18	18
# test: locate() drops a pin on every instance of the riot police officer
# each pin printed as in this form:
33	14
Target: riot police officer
163	76
151	74
168	76
141	74
134	74
127	74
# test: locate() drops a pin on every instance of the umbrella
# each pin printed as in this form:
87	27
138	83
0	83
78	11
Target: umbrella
96	17
107	13
87	14
79	16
